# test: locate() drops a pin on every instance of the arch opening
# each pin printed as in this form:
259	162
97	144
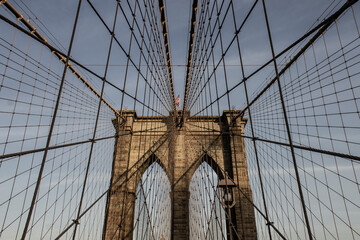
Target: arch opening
207	219
152	217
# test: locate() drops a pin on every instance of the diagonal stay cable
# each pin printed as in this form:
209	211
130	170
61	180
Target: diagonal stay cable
33	30
189	57
55	50
37	187
115	184
312	149
11	155
329	21
167	49
204	150
117	41
320	28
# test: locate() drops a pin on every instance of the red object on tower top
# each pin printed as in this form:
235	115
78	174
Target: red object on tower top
177	101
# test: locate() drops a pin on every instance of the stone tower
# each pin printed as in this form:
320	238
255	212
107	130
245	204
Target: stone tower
179	150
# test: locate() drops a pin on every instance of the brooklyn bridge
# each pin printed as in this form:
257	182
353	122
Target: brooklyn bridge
196	119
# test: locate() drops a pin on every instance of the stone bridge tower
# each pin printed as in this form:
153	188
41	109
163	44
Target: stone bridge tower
179	150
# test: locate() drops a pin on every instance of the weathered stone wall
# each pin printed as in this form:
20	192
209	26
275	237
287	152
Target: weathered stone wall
179	151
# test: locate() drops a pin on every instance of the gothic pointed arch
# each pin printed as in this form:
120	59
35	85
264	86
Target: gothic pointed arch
211	162
152	213
206	213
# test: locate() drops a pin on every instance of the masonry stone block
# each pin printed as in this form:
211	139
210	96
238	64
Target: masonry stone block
179	150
